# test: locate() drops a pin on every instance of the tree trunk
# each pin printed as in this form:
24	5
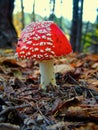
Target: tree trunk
8	35
76	29
33	13
74	24
22	13
52	9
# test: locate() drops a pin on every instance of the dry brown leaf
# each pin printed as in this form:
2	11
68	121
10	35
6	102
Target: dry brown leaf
22	64
93	84
63	107
1	88
81	113
88	73
88	126
92	57
95	65
63	68
79	63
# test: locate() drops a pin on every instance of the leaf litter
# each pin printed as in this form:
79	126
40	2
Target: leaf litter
73	105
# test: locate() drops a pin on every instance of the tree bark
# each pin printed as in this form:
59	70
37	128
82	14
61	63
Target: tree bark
76	29
33	13
8	35
22	13
52	9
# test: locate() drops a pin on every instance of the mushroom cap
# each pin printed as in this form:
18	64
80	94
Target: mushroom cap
42	41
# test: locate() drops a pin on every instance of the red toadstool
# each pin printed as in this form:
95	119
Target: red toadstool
43	41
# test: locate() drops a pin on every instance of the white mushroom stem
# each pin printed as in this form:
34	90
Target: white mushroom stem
47	73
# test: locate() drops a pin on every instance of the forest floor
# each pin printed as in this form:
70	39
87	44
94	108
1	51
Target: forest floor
71	105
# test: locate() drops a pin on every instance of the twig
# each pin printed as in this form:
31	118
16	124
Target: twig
73	80
46	120
13	108
8	126
73	89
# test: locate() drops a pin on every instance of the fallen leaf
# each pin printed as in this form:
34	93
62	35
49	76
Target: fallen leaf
95	66
61	68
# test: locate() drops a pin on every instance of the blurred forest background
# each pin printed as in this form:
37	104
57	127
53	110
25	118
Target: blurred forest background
83	35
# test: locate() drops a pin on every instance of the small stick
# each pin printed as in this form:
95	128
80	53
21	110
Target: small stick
13	107
8	126
42	115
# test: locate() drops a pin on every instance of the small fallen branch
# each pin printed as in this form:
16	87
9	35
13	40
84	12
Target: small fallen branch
13	108
46	120
81	114
8	126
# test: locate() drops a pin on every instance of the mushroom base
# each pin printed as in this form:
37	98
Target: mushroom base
47	73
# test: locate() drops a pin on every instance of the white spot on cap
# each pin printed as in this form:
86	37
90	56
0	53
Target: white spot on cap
46	55
48	34
42	43
42	51
35	38
28	53
49	43
24	39
32	50
51	56
34	44
44	37
24	47
34	56
39	56
42	31
48	49
27	48
33	33
53	52
48	38
26	35
21	56
29	42
48	29
36	49
22	52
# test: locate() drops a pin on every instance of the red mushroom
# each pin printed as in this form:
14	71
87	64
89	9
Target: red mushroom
43	41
